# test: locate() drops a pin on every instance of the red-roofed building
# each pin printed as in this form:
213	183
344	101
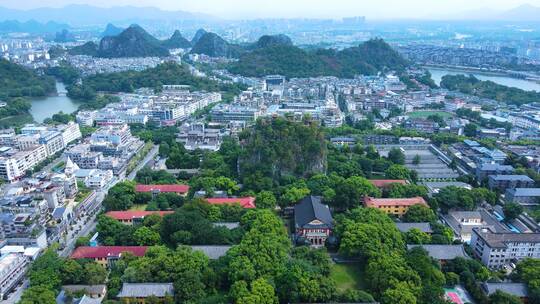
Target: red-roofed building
385	183
245	202
156	189
396	206
129	217
106	255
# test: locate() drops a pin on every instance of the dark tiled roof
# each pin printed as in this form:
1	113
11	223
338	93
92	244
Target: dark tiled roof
443	252
499	240
424	227
309	209
212	252
144	290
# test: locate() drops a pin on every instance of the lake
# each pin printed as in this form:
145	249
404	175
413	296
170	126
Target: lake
437	74
44	107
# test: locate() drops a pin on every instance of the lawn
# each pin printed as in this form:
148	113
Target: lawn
425	114
348	276
138	208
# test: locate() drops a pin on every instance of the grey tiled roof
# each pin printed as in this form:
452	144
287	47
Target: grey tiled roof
526	192
212	252
143	290
310	208
443	252
516	289
499	240
228	225
424	227
524	178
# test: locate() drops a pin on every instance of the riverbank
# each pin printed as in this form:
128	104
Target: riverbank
438	72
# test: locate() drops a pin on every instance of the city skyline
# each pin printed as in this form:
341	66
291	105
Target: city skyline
244	9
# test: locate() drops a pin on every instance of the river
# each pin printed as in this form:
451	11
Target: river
44	107
438	73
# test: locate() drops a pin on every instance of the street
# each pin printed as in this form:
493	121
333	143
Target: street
147	159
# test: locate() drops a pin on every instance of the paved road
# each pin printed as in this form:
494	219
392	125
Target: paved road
153	153
16	295
86	225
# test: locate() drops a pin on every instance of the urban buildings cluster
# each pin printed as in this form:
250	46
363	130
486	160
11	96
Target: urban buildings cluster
22	152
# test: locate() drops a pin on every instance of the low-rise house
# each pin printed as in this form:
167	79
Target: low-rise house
463	222
406	227
156	189
519	290
524	196
139	292
496	250
107	255
213	252
131	217
505	182
484	170
443	253
313	221
92	291
395	206
245	202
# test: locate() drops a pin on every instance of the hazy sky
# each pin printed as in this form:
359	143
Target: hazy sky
298	8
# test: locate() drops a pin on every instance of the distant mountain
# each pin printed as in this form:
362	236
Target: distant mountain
273	40
132	42
111	30
32	27
89	48
197	36
524	12
177	41
78	15
64	36
213	45
368	58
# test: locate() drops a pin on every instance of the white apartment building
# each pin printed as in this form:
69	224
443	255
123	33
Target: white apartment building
498	249
53	142
12	269
70	132
525	121
13	163
86	118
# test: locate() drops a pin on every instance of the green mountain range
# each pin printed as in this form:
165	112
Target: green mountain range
177	41
213	45
285	59
132	42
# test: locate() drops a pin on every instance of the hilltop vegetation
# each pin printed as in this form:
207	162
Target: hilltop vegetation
213	45
17	81
166	73
278	147
177	41
90	49
131	42
488	89
368	58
